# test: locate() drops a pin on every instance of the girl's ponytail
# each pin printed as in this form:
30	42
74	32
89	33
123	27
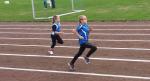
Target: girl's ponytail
54	19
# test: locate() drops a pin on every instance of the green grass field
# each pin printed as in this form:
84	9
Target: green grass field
96	10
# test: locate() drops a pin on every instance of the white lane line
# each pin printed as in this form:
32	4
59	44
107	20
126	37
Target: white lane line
76	73
70	57
140	34
106	48
107	40
28	33
133	25
71	29
26	29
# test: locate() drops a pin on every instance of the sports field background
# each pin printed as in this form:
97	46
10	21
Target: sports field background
97	10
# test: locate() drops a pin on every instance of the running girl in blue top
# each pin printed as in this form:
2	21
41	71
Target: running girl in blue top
83	31
56	30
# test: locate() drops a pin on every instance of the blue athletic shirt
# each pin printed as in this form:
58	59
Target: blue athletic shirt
56	27
83	30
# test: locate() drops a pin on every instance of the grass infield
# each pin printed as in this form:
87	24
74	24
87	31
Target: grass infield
97	10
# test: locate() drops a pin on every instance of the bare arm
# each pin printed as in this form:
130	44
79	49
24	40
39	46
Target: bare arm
90	29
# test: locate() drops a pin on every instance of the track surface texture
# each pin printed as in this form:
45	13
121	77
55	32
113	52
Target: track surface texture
123	52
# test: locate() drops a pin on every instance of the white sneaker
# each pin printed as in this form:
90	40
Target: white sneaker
71	67
87	60
51	52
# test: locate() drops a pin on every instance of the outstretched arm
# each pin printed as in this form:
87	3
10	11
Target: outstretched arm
90	29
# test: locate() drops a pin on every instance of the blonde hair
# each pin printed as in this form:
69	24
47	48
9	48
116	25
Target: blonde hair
54	18
81	18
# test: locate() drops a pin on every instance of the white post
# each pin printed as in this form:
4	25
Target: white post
33	9
72	3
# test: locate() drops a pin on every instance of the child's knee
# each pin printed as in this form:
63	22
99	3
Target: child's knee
94	48
61	42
